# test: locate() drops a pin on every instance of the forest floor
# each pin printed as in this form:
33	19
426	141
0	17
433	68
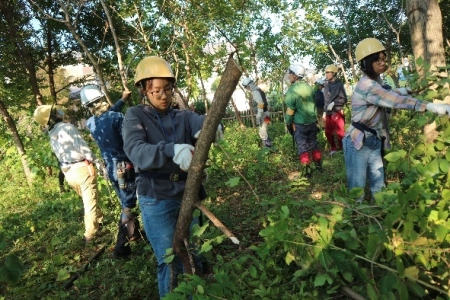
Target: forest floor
44	227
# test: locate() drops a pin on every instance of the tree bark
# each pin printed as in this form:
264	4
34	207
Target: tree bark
425	24
17	140
51	71
227	85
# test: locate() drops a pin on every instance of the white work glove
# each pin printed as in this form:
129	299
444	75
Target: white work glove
183	155
402	91
219	133
330	106
439	109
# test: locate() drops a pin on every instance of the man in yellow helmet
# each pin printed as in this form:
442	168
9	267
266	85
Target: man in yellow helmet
76	161
159	141
333	116
368	133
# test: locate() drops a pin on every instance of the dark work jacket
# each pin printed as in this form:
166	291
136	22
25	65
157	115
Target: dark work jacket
319	98
334	92
106	130
149	139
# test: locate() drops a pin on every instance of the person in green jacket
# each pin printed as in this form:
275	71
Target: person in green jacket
301	117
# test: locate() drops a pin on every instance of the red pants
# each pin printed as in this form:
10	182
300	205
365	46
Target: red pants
335	125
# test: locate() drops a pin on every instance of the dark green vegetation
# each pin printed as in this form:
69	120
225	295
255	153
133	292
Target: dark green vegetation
300	239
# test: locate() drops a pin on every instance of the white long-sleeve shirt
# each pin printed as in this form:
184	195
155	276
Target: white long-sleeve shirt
68	144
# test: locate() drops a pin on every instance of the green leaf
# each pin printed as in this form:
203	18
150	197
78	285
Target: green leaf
444	165
403	292
169	258
432	168
439	145
412	272
12	269
394	186
433	216
371	292
200	289
253	272
289	258
392	157
441	232
321	279
63	274
58	259
233	181
356	193
400	267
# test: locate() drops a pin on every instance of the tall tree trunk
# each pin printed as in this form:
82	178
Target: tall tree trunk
425	24
8	10
17	140
51	71
227	85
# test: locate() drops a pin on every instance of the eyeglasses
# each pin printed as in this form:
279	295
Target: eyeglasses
158	94
381	60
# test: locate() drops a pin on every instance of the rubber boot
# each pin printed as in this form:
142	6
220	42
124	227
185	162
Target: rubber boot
317	159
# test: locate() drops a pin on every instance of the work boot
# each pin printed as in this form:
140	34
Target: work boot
122	248
267	143
62	189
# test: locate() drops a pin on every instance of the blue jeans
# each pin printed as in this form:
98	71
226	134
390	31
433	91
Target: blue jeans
159	218
365	163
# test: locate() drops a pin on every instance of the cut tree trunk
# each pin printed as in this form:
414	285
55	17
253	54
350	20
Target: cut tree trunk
227	85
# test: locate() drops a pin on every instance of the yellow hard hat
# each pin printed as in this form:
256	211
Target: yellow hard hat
151	67
42	114
331	68
367	47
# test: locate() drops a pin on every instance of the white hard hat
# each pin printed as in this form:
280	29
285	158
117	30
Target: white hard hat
246	81
90	93
298	70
